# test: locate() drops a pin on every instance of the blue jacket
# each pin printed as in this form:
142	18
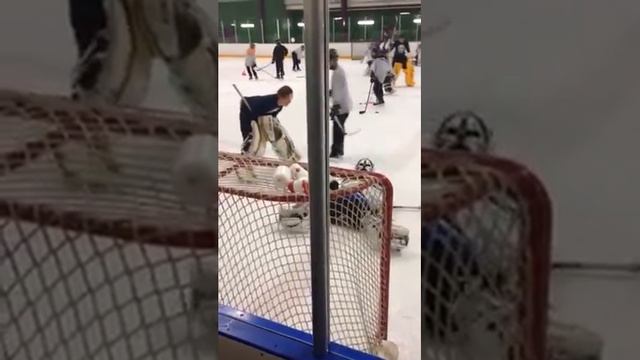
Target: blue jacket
260	106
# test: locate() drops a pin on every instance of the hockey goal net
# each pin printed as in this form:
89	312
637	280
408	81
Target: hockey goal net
486	225
97	252
264	255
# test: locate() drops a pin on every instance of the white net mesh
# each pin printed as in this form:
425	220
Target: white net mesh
264	259
97	253
485	259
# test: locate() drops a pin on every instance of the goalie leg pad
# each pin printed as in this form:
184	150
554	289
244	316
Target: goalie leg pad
281	142
257	142
408	74
194	78
397	68
176	28
116	66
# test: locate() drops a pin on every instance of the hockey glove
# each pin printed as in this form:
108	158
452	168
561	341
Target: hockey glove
334	111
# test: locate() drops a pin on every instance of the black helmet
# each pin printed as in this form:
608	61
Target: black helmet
333	54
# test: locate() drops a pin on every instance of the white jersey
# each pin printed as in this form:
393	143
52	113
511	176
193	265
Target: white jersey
340	90
380	68
299	52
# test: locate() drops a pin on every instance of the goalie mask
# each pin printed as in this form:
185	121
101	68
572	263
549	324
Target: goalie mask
364	164
463	131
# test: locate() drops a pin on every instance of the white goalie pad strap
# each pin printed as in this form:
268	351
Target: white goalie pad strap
176	27
267	125
160	19
280	140
125	64
194	78
258	143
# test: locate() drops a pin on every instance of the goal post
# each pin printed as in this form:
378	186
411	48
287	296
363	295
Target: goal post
98	253
486	245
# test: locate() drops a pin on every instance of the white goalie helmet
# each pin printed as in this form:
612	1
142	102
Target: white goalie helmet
364	164
463	131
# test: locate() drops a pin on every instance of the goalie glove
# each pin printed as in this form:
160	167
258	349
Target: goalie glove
334	111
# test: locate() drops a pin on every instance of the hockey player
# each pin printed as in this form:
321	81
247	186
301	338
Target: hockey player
296	56
259	124
117	45
341	104
401	61
380	70
357	210
250	61
367	57
279	53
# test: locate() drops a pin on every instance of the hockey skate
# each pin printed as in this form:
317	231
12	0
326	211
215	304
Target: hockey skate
293	218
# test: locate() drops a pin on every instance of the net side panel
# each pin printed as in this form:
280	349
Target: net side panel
264	261
486	238
97	253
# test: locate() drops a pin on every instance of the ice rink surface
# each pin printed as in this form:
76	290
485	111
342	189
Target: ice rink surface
389	135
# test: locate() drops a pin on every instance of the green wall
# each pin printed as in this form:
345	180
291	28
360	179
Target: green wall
247	11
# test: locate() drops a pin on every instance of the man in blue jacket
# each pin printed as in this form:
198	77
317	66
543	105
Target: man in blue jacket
259	124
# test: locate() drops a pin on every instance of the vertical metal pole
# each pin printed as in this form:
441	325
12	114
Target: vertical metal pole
316	16
288	30
235	30
381	26
333	30
249	34
349	29
400	24
222	28
262	29
278	28
417	31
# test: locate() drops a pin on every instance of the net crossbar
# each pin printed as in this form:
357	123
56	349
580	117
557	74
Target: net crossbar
97	252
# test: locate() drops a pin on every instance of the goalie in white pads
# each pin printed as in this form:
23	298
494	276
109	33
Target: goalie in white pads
119	39
357	210
259	124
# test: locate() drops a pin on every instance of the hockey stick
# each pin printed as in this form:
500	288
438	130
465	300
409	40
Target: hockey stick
268	73
368	97
586	266
246	103
335	121
264	67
